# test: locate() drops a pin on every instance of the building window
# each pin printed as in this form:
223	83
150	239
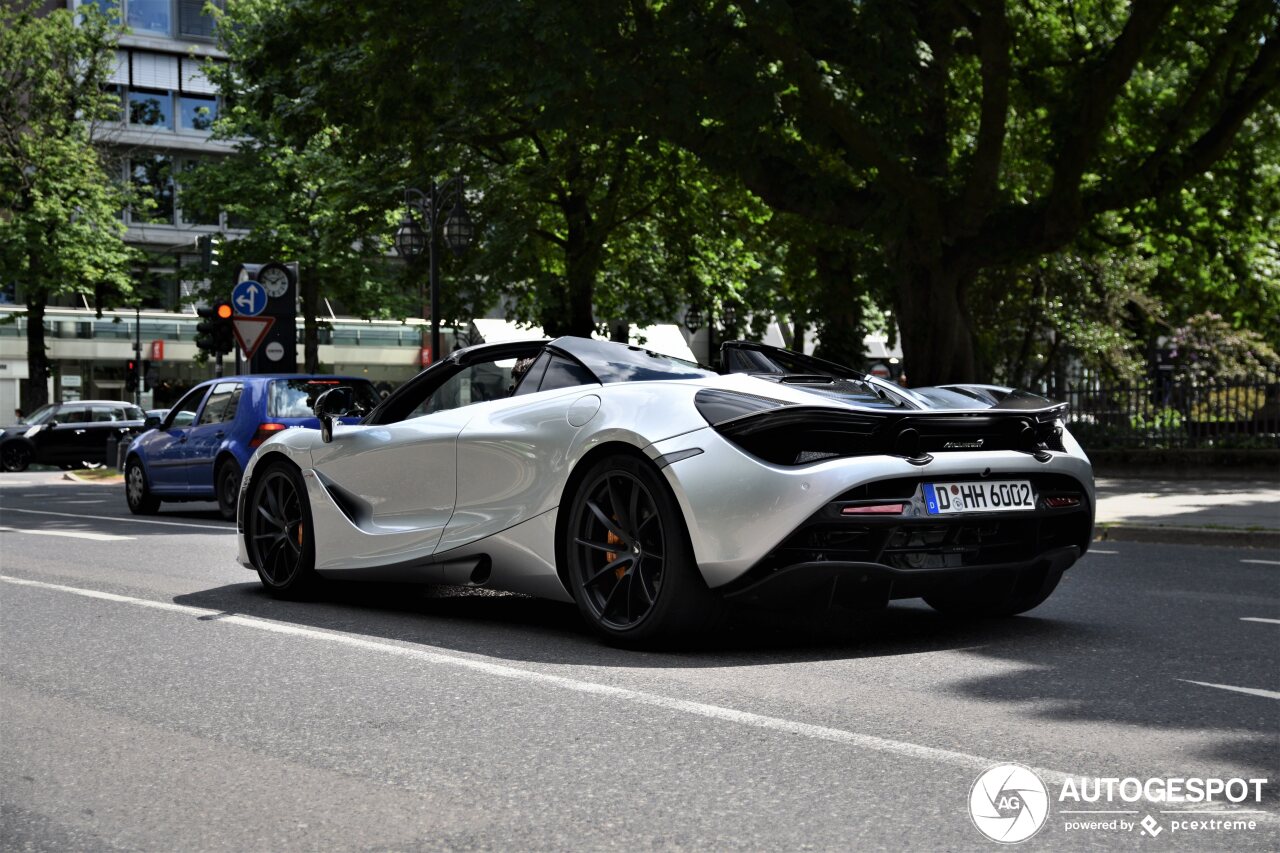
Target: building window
197	113
149	16
193	23
152	180
153	109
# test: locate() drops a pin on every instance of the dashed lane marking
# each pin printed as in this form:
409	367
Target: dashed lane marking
1259	619
1263	562
70	534
1100	551
1252	691
127	520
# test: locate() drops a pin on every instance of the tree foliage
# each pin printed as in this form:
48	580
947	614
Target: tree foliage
929	147
60	225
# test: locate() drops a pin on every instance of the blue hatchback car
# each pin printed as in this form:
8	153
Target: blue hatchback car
199	449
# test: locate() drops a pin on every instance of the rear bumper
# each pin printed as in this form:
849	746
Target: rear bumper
854	583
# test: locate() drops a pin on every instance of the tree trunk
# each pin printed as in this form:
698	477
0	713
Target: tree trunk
309	287
840	330
583	253
937	341
37	387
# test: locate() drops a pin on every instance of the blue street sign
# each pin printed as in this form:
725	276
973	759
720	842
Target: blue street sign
249	298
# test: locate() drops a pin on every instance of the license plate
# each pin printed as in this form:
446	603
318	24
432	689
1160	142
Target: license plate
946	498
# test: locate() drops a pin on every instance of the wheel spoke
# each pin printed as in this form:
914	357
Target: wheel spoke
612	567
265	513
599	546
608	522
623	519
644	587
632	511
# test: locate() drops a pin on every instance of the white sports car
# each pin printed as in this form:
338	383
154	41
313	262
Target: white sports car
651	491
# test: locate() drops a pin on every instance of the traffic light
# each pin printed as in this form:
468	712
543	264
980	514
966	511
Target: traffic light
213	333
210	249
131	376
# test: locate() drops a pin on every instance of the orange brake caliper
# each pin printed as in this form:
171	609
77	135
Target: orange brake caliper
615	539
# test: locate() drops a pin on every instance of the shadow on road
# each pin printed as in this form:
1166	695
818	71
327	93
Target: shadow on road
1083	658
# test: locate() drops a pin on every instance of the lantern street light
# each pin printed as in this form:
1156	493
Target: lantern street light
411	239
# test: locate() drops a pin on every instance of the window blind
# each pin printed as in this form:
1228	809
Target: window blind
155	71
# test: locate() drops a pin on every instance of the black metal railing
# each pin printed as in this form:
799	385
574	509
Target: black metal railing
1172	412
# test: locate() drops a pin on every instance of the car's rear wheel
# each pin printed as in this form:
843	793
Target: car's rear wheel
15	456
226	482
137	492
278	531
630	563
997	596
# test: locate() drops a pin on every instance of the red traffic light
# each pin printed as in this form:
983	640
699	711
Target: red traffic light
223	310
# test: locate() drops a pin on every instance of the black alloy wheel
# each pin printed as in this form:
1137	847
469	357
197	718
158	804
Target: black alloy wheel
278	533
630	562
136	491
226	482
15	456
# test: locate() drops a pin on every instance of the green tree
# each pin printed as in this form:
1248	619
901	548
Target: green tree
319	204
60	225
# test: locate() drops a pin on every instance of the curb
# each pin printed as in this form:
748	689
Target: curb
68	475
1187	536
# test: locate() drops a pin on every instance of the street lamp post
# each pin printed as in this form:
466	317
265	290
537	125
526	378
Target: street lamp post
411	239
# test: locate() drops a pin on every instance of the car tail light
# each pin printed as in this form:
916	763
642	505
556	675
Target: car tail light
264	432
873	509
1060	501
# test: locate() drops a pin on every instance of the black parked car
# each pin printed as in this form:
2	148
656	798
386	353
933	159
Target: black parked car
69	435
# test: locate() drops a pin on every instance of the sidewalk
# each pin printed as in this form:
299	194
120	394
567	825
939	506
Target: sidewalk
1198	512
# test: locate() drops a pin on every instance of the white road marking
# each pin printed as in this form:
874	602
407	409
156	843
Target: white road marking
1252	691
435	655
1259	619
17	482
70	534
1263	562
82	502
119	518
1099	551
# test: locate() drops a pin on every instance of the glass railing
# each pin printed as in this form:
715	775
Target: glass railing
341	334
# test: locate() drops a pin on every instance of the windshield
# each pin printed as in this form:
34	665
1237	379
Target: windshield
40	415
293	398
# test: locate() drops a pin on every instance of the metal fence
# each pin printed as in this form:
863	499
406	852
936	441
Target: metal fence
1169	412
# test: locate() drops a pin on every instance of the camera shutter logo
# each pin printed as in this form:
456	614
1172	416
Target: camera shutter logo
1009	803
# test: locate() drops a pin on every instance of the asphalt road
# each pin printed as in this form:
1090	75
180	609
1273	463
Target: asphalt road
152	697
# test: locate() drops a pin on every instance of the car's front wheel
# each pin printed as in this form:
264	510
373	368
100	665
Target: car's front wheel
277	528
136	491
15	456
997	596
226	481
630	563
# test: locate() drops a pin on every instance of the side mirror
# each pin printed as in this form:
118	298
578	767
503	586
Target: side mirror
333	403
51	423
152	422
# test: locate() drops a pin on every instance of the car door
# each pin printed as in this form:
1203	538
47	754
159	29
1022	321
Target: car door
402	466
208	433
167	448
105	423
65	442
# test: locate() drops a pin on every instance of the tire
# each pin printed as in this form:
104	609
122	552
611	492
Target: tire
996	597
226	484
278	533
629	561
15	456
137	492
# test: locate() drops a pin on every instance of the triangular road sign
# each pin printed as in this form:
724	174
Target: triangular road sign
251	332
